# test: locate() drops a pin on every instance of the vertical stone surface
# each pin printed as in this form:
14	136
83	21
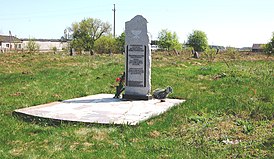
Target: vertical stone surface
138	60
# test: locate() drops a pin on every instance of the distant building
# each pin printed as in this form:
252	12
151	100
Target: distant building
245	49
8	43
257	48
46	45
221	48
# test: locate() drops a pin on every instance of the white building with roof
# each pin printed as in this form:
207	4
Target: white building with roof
9	43
46	45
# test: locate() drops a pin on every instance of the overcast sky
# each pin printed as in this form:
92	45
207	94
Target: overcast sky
235	23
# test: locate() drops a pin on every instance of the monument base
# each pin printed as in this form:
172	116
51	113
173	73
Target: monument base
136	97
97	109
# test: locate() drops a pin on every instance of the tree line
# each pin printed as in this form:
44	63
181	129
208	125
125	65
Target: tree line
197	40
93	35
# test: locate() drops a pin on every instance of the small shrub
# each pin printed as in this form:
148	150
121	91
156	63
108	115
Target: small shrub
210	54
187	52
232	53
54	49
105	44
247	127
32	46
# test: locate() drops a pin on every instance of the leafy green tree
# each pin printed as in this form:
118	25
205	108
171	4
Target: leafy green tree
86	32
120	42
169	40
105	44
269	47
198	40
32	46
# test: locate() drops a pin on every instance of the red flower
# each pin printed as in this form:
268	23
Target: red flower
118	79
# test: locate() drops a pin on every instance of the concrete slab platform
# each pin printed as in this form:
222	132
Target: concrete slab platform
101	108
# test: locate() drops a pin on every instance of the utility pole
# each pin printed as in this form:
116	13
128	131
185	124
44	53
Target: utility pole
114	20
12	40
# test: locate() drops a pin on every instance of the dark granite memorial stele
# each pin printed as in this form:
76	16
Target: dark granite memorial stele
138	60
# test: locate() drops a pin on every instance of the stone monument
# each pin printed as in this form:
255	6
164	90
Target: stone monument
137	60
103	108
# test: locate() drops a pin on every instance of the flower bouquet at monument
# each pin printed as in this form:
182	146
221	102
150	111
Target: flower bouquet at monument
121	86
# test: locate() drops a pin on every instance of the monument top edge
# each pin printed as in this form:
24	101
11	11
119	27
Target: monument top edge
137	17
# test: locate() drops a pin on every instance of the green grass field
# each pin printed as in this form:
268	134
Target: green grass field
228	100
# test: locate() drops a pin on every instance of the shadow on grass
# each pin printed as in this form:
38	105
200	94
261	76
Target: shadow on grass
268	145
58	123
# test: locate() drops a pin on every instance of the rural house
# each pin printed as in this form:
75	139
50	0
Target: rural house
257	48
8	43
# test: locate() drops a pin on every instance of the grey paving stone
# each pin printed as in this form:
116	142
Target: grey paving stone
101	108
